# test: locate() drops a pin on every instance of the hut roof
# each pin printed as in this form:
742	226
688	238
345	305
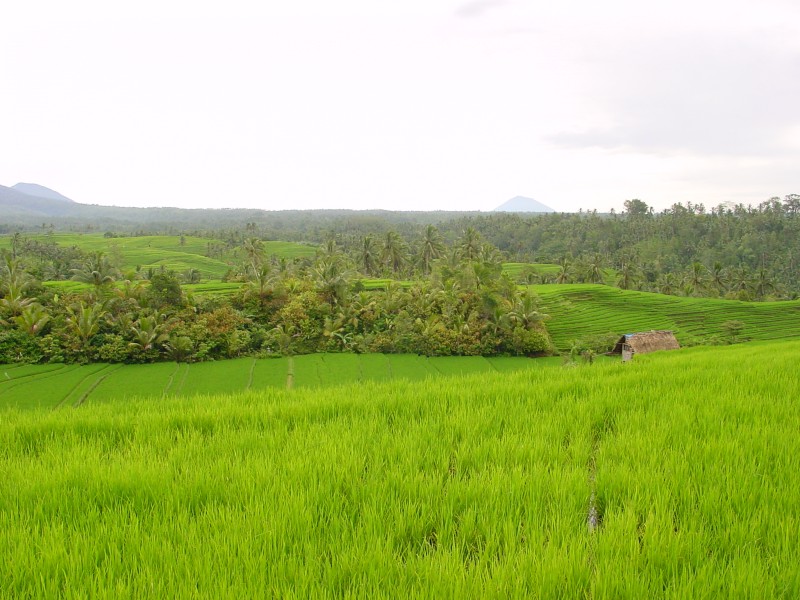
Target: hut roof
647	341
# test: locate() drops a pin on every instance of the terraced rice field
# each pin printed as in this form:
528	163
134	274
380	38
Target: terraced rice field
515	270
53	385
674	476
582	310
146	252
212	288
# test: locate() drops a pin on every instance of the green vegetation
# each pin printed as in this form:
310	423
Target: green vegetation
210	257
581	310
429	291
674	476
740	252
465	306
529	272
51	385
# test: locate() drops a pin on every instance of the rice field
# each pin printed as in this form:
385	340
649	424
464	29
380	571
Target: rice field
515	270
54	385
578	310
674	476
171	252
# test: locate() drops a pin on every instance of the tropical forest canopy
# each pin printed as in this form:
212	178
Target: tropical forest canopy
427	283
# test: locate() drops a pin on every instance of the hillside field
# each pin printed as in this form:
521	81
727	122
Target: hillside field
579	310
674	476
144	252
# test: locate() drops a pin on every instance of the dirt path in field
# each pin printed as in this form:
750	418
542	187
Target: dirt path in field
602	428
65	400
290	373
92	388
592	514
250	376
592	518
171	380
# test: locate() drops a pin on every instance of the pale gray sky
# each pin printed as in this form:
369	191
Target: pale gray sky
413	105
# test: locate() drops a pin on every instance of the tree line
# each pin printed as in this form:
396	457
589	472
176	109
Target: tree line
731	251
465	305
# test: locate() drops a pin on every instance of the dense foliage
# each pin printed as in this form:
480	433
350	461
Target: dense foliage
742	252
465	306
379	282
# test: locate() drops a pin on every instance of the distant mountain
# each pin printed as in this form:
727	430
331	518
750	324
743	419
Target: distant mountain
15	205
523	204
34	189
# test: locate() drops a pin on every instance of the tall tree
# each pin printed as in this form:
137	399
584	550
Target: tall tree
432	248
718	279
695	279
469	245
395	252
594	269
368	256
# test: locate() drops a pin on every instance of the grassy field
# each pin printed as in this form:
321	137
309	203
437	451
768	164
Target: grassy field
516	270
579	310
171	252
51	386
674	476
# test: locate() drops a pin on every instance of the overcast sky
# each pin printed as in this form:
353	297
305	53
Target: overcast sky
412	105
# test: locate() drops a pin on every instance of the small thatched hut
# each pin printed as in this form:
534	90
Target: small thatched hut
644	342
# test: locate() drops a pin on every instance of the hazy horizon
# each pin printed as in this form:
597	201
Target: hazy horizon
446	105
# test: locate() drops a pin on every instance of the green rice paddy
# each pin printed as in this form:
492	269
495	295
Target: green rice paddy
578	310
53	385
176	253
516	270
674	476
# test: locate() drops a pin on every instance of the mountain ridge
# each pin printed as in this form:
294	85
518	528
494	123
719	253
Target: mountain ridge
523	204
40	191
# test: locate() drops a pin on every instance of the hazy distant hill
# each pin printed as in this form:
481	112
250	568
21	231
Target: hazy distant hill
23	212
523	204
15	204
34	189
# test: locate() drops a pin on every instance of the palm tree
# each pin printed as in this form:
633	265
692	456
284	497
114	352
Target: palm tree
627	275
564	274
594	269
33	319
259	279
332	279
147	334
368	256
740	281
84	321
525	311
284	336
718	278
763	283
191	276
667	284
179	347
695	280
469	245
432	248
97	271
14	282
254	250
394	253
131	290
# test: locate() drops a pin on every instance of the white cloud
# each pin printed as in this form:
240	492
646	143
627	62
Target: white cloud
360	104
